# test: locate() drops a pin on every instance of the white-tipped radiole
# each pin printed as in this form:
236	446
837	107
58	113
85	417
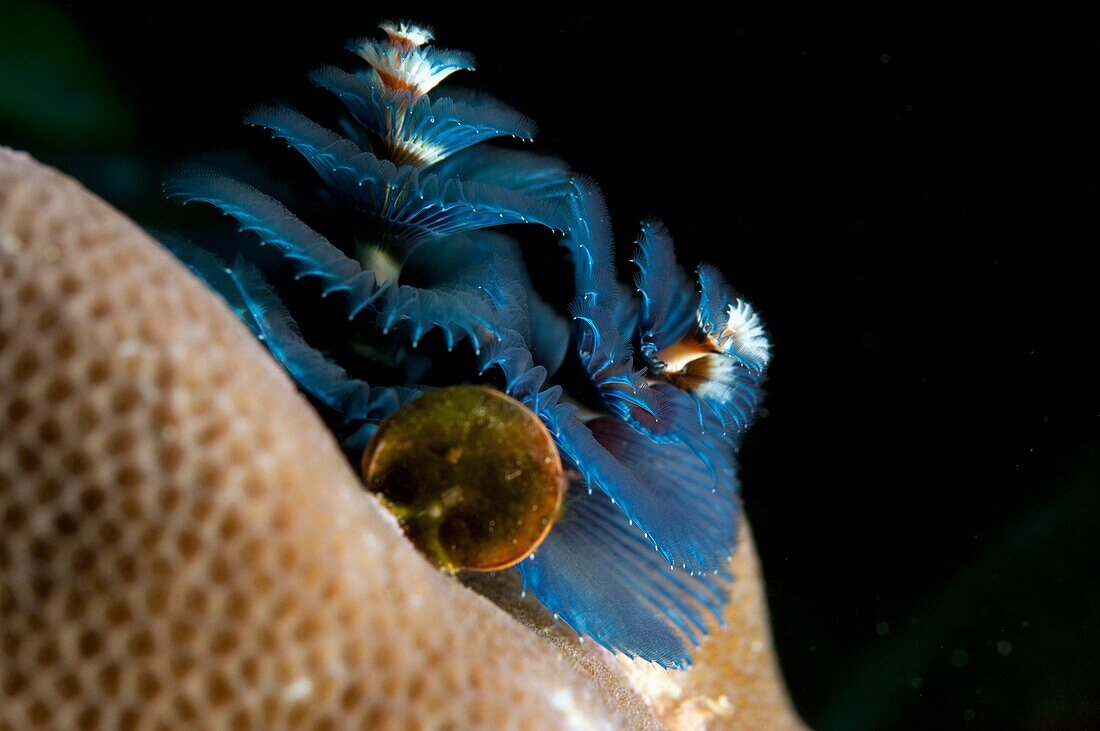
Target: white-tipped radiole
744	336
407	34
403	61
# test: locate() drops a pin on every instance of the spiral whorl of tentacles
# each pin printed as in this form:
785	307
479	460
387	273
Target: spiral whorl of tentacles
640	555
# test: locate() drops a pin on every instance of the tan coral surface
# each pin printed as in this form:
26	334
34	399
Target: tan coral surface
734	683
182	545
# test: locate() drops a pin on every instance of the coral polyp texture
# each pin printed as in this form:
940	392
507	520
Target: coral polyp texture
402	270
183	544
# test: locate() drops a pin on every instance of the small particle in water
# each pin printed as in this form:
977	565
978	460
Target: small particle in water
917	682
969	714
1004	648
882	629
960	658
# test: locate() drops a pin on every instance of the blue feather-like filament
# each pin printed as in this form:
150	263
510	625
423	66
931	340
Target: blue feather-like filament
639	561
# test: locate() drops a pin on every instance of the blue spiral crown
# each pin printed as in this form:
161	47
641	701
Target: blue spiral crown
670	378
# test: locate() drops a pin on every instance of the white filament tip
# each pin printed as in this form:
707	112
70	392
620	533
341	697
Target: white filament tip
744	336
407	33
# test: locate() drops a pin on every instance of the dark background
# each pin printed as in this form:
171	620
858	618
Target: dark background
911	201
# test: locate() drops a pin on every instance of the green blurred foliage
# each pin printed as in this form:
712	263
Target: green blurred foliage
53	87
